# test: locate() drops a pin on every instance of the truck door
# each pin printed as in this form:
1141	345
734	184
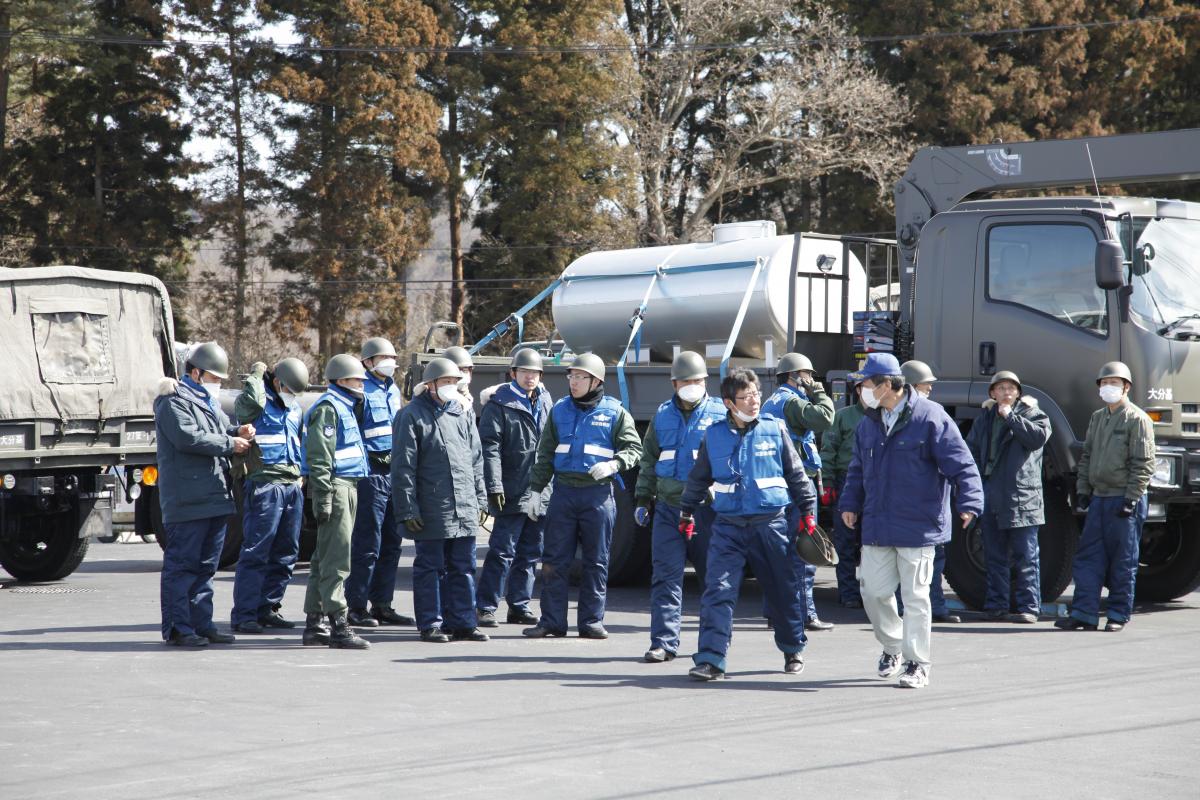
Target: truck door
1039	313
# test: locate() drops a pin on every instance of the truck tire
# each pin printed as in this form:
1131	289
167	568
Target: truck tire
1169	563
43	547
1057	540
629	558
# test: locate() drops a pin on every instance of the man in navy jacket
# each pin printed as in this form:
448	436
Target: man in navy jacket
907	454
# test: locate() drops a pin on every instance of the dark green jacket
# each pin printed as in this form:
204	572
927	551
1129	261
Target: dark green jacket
1118	453
837	443
1013	491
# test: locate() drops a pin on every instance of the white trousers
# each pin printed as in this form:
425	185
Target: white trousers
912	568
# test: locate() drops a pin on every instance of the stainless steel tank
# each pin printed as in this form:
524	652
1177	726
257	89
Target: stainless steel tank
695	299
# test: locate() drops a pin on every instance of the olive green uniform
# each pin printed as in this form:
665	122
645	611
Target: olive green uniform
337	498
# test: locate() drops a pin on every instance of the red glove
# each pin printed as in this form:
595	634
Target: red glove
808	525
829	496
687	526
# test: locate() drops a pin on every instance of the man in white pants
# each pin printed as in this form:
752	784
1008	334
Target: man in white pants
907	453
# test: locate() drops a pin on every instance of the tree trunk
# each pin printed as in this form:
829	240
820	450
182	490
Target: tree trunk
458	292
5	51
240	237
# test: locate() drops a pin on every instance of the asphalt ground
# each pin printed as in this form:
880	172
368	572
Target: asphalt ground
94	705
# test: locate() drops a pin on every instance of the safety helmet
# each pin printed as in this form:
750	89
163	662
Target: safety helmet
1113	369
460	357
527	358
440	368
817	549
1005	375
210	357
590	363
916	373
377	346
293	374
688	366
344	366
793	362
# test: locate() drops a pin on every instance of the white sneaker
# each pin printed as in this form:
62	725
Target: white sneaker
914	677
889	665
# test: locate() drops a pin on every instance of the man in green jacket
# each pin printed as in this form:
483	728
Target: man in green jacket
588	440
1113	475
837	448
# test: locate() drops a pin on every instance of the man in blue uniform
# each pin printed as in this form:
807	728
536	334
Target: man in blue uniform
273	498
375	543
509	426
588	440
669	450
754	473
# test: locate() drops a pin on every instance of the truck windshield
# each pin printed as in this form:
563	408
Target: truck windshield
1166	275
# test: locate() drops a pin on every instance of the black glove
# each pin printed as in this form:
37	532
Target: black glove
497	500
1082	502
1127	508
414	525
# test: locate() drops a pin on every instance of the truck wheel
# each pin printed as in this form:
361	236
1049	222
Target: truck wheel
967	573
1169	563
629	558
43	547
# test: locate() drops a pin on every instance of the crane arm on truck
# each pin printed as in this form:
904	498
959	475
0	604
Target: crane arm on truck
940	177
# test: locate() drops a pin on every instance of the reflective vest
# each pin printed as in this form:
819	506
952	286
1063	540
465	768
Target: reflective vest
806	444
747	469
379	410
585	438
279	433
349	455
679	439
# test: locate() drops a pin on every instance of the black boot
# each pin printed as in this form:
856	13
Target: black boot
342	635
316	630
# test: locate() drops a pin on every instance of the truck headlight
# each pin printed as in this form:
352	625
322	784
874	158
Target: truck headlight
1164	472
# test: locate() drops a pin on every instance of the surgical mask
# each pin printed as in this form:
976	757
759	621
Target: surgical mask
213	389
448	394
868	397
691	393
465	381
357	393
747	418
287	397
386	367
1111	394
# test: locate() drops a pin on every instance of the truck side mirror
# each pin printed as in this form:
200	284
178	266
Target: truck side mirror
1110	264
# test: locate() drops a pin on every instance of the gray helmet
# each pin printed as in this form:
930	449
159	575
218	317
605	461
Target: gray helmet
210	357
917	372
1113	369
460	357
293	374
344	366
1005	375
527	358
590	363
441	368
377	346
817	549
793	362
688	366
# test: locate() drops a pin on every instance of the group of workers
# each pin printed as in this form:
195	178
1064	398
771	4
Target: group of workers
725	483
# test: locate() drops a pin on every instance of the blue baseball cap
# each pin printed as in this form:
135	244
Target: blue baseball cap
877	364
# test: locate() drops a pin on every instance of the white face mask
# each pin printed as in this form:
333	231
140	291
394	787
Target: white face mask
448	394
747	418
691	393
213	389
1111	394
358	393
868	397
287	397
465	381
386	367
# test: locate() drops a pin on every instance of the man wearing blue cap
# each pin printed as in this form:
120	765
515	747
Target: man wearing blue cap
907	453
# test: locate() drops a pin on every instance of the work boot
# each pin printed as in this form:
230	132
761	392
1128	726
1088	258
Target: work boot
793	663
593	632
273	619
852	603
316	630
186	640
359	618
434	635
469	635
538	632
995	616
1023	618
249	626
487	619
657	655
386	615
816	624
705	672
1113	627
341	635
1072	624
216	637
521	616
953	619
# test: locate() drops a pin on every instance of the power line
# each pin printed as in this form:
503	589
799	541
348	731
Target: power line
765	44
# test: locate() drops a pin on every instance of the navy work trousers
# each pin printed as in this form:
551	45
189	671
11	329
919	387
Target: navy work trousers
189	563
271	517
374	545
578	517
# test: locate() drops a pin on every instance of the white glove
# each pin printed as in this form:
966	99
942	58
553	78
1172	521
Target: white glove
603	470
533	506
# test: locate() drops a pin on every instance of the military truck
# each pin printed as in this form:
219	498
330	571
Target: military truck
84	351
1049	287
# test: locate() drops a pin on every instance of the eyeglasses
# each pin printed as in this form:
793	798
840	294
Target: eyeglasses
747	396
578	376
